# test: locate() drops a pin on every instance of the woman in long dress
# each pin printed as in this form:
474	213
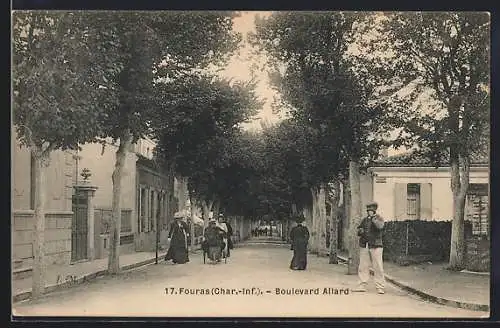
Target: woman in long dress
299	236
178	236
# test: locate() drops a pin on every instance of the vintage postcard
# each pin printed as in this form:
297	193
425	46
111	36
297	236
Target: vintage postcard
250	164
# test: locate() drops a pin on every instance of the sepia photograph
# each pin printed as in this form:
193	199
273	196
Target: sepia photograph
250	164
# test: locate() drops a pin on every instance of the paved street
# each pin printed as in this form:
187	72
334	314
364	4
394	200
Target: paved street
142	292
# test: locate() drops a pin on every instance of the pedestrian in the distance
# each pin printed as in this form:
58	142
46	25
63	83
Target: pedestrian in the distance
299	237
370	233
178	237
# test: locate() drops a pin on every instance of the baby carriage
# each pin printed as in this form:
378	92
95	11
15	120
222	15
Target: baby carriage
215	248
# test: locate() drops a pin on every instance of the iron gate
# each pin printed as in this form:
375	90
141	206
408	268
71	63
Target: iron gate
79	228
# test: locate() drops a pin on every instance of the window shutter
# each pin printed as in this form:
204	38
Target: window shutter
426	201
400	200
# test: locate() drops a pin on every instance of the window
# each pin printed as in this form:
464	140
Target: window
478	209
161	209
142	209
413	201
152	212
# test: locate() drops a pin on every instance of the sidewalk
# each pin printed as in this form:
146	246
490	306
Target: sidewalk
64	276
433	282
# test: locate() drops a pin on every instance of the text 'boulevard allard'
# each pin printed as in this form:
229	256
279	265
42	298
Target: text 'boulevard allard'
255	291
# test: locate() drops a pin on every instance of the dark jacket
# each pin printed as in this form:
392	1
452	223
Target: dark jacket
229	235
371	231
175	230
214	236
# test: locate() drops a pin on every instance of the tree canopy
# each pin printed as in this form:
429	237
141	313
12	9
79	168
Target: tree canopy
197	128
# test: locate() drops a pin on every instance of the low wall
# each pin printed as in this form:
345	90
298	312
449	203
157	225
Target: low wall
57	237
146	241
126	245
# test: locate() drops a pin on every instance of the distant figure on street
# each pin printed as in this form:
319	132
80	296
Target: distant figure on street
299	237
178	238
229	233
214	241
370	233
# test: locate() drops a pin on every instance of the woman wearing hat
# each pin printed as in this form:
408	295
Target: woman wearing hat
178	237
371	248
299	236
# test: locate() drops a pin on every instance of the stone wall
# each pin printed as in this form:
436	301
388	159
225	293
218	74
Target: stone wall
102	245
59	177
57	237
145	241
102	225
477	257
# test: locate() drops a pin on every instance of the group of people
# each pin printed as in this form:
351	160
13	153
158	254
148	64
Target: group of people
261	231
370	233
216	243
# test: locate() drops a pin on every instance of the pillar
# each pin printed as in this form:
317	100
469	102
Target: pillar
88	191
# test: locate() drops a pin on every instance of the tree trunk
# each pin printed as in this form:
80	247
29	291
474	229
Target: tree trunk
321	203
38	280
191	215
315	225
459	187
355	217
334	222
206	207
216	208
291	224
459	167
307	211
183	193
347	213
117	177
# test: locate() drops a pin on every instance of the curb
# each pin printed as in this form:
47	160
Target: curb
431	298
23	296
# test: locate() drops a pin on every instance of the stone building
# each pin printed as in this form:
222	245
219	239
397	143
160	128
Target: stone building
411	188
58	209
144	196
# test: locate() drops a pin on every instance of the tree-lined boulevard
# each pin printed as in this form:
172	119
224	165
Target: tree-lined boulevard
349	84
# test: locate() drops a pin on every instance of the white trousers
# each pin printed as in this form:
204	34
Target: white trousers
371	257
